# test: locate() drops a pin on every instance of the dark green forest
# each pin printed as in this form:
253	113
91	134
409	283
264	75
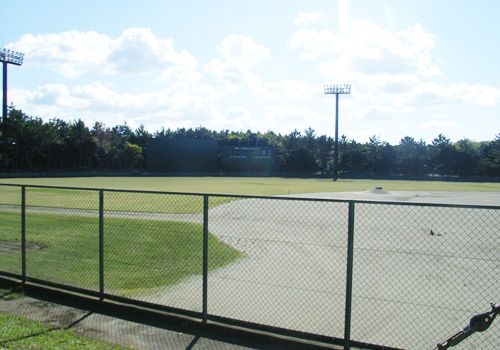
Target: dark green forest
33	145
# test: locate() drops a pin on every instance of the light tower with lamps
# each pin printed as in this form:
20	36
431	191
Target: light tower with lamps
7	57
337	90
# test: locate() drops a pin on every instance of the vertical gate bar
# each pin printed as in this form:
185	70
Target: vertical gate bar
23	233
101	244
350	259
205	257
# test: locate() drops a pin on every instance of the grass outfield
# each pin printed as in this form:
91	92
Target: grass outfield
141	256
251	185
19	333
147	202
113	201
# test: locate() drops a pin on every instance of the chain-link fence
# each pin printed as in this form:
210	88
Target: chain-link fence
398	275
421	272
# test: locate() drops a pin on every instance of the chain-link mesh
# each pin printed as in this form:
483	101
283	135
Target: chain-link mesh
153	242
62	226
10	229
291	268
421	272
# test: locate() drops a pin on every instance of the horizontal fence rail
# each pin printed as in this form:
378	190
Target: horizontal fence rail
349	272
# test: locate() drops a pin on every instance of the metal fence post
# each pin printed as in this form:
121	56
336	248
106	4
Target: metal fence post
101	244
23	233
205	257
350	259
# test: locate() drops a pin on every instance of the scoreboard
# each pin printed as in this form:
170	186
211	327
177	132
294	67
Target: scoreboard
254	159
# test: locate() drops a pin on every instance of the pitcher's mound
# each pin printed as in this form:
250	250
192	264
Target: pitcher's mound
377	190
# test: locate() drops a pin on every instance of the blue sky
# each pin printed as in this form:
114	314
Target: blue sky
417	68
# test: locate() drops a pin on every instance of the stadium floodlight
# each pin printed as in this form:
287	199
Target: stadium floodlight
7	57
337	89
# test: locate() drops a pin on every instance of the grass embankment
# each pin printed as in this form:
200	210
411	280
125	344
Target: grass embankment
140	256
19	333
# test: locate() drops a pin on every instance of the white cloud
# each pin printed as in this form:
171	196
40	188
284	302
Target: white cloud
314	43
430	93
373	59
439	124
370	50
289	90
242	50
238	113
480	94
308	17
70	53
288	114
236	118
98	101
417	45
395	68
137	50
238	54
395	84
102	97
374	113
344	16
49	95
231	76
74	53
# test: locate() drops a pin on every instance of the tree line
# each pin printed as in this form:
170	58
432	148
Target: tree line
34	145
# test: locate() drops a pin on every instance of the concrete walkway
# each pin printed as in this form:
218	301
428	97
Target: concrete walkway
115	330
109	329
131	327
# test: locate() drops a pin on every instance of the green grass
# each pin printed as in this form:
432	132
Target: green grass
193	204
114	201
19	333
141	256
250	186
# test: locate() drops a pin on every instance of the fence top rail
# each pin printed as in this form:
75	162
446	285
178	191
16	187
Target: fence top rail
277	197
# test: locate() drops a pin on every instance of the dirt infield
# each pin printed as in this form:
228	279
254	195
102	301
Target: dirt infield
432	197
420	272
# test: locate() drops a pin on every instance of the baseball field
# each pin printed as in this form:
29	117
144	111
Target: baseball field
420	254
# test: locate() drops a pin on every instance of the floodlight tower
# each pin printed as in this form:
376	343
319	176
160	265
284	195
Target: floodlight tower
7	57
337	90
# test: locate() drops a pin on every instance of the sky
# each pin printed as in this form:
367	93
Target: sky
417	68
